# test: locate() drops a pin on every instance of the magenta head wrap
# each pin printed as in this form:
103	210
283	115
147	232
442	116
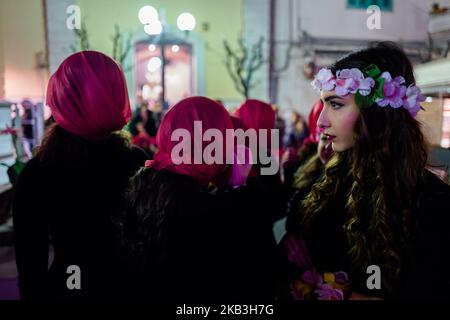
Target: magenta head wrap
255	114
88	95
182	116
312	123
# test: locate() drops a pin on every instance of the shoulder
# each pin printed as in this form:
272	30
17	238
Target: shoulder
166	194
119	150
166	183
32	181
434	200
435	188
138	155
32	169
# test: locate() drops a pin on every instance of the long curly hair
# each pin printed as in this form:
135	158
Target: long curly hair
380	175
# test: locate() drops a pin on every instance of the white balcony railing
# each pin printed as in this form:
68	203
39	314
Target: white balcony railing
439	23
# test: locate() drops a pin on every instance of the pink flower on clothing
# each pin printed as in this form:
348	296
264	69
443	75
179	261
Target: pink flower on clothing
327	292
341	277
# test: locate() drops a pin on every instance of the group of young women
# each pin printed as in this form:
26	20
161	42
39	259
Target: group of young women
161	229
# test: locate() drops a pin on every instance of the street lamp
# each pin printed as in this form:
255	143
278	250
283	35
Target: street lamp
186	22
156	26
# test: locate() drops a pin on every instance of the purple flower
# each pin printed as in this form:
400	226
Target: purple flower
412	100
324	80
326	292
394	91
341	277
312	277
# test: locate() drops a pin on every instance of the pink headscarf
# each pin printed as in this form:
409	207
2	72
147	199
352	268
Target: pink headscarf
182	116
256	114
88	95
237	123
312	123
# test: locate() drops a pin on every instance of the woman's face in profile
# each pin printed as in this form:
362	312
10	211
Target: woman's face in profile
337	119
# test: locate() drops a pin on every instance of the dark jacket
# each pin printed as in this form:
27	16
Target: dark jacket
249	213
71	203
422	276
188	243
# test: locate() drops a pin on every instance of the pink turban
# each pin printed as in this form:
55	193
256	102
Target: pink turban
182	116
88	95
255	114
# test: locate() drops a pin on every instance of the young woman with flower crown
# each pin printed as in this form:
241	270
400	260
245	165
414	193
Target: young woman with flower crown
374	225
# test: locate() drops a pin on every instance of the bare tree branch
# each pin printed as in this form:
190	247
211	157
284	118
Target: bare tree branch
82	38
232	65
242	63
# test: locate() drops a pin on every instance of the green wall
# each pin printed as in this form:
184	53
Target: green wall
225	19
22	36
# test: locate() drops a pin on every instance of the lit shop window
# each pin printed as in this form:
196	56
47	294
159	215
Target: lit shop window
445	138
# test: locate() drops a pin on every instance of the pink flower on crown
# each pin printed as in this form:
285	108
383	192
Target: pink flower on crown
365	86
324	80
351	81
412	100
394	91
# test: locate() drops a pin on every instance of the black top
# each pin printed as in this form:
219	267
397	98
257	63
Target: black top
423	276
71	205
191	243
249	213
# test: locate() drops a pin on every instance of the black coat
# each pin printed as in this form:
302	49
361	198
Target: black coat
71	204
423	277
189	243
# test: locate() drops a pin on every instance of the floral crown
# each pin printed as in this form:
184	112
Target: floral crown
371	86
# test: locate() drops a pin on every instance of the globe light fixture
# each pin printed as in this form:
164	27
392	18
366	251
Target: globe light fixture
153	28
147	14
154	64
186	22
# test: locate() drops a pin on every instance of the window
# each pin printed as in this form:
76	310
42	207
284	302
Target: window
445	138
385	5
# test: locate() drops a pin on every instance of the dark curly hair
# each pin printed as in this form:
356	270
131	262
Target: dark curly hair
383	169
